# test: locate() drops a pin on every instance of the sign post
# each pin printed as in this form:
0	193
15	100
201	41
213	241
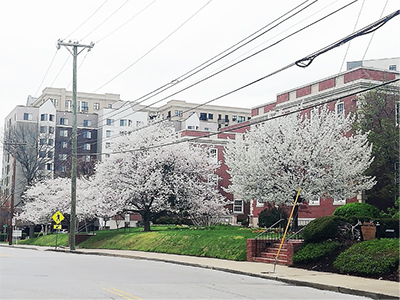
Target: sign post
57	217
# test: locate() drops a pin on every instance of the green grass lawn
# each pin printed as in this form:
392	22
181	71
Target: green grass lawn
226	242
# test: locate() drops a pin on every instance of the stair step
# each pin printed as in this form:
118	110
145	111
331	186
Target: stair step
272	255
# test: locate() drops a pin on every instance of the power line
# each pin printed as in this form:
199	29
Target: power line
105	20
86	19
51	63
240	61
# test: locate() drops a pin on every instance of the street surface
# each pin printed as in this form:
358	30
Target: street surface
32	274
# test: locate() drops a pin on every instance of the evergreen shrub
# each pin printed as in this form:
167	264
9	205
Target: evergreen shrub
375	257
315	251
357	209
322	229
271	215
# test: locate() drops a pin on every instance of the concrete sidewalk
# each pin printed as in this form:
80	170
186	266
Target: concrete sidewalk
372	288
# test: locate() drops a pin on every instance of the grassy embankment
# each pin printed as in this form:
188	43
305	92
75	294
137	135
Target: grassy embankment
226	242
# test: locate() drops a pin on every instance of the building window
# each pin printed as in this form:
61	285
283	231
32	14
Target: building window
68	104
110	122
315	202
234	118
108	133
28	117
84	106
43	129
203	116
339	107
64	145
86	158
207	128
109	106
42	154
238	206
49	167
86	146
54	101
87	123
259	203
49	154
339	199
123	122
130	123
87	134
50	143
51	129
226	118
392	67
51	118
191	127
64	133
108	145
214	153
178	113
139	123
210	116
62	169
43	117
42	142
63	121
96	105
62	156
241	119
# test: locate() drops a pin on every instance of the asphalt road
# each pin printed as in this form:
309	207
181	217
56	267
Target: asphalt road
31	274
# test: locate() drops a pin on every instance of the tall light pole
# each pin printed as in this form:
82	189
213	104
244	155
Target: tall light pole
72	47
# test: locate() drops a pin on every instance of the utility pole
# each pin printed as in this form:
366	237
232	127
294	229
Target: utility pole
10	228
72	47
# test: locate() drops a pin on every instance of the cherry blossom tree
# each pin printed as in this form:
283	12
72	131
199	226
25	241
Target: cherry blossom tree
317	154
149	171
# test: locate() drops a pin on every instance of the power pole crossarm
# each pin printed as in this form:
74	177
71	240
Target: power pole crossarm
72	47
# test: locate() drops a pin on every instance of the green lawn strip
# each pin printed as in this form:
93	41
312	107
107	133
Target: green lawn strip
226	242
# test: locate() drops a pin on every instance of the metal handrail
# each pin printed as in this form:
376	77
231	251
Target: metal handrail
268	229
296	234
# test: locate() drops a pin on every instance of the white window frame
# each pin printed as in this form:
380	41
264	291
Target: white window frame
87	134
314	202
236	205
259	203
86	146
339	108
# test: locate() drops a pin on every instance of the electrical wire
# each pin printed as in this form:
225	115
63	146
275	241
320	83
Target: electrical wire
86	19
372	36
240	61
154	47
47	71
105	20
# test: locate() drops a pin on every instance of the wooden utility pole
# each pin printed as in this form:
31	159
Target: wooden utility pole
10	225
72	47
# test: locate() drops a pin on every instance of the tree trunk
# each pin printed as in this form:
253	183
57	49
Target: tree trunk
146	220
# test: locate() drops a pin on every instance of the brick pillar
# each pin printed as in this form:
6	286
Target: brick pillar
251	249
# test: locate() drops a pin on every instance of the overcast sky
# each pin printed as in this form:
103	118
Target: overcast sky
143	44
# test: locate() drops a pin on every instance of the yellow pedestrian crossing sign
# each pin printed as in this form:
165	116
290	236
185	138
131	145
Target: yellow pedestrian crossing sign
58	217
57	226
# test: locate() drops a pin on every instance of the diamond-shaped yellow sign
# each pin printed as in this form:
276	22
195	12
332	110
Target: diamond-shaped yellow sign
58	217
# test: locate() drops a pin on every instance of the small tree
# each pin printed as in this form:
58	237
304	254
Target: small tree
315	154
